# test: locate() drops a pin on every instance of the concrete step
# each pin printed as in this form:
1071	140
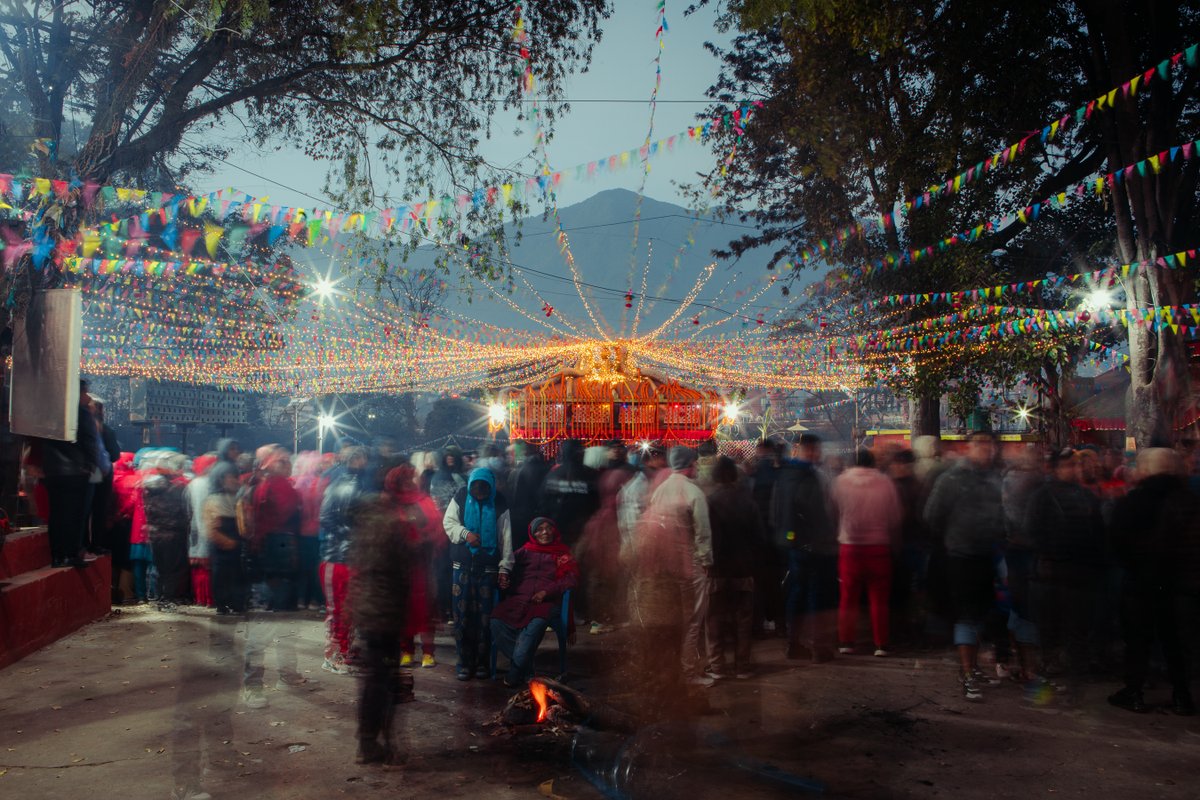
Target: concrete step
24	551
40	606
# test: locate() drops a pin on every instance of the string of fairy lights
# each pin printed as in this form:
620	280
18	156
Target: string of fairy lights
253	325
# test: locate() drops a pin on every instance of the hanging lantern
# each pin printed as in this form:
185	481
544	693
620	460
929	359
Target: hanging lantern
629	300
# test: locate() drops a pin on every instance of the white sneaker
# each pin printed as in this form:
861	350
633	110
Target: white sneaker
254	698
701	680
768	625
880	652
336	665
846	650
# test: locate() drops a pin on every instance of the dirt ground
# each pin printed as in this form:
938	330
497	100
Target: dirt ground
144	701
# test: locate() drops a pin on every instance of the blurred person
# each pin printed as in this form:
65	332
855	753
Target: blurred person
426	464
494	458
599	552
1091	470
541	572
383	576
673	556
337	527
65	469
737	535
125	498
308	474
1063	521
762	469
99	542
966	510
618	458
277	511
1156	541
595	457
424	525
478	525
706	460
220	529
929	462
868	514
569	493
444	485
911	568
633	496
167	526
806	543
229	450
198	490
526	489
1021	482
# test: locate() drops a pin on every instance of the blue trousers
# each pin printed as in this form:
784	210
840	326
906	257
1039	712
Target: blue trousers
811	595
519	646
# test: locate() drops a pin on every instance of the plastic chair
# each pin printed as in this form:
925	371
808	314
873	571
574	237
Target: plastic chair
560	624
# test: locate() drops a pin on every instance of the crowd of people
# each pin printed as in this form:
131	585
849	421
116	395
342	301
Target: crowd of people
1061	563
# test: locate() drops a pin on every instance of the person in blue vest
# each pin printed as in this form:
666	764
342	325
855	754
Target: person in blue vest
478	526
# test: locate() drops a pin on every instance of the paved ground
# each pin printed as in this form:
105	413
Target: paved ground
131	706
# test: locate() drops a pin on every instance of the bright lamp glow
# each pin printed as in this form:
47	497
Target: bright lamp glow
323	288
497	415
1099	299
730	412
326	420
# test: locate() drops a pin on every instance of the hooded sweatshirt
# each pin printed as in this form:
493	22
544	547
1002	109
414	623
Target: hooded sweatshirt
570	495
488	519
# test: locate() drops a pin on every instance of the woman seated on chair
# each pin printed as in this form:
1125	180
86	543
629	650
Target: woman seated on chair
543	570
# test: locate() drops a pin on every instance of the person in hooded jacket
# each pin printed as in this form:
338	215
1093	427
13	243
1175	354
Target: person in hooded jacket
477	523
219	526
338	507
541	572
569	494
277	512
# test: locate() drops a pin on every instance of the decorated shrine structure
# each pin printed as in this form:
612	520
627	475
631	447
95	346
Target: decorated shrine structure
605	398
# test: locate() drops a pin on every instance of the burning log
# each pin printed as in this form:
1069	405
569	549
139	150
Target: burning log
594	714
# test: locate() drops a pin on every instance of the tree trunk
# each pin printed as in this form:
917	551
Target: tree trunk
927	415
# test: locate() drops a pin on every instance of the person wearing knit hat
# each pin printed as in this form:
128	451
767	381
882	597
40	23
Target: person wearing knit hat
681	458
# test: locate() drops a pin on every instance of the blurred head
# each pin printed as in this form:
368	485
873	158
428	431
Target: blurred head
864	458
277	461
927	447
229	450
1064	465
97	408
902	464
223	477
725	471
399	479
681	459
355	458
655	458
809	448
1154	461
85	399
616	452
1090	467
981	449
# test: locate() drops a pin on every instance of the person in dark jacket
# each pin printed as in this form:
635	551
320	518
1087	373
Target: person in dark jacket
220	528
337	526
99	540
966	511
526	489
806	542
761	470
448	479
737	536
1064	523
542	571
477	523
1156	539
383	557
66	469
570	493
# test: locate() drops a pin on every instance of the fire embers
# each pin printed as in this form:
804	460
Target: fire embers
539	708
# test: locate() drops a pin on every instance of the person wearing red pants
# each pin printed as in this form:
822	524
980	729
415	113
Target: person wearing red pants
342	500
869	516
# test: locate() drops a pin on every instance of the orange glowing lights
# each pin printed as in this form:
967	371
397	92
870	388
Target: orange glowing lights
537	690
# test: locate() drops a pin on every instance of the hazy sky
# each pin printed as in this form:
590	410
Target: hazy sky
622	69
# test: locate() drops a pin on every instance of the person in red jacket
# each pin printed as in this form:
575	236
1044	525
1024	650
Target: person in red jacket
425	525
277	509
310	481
